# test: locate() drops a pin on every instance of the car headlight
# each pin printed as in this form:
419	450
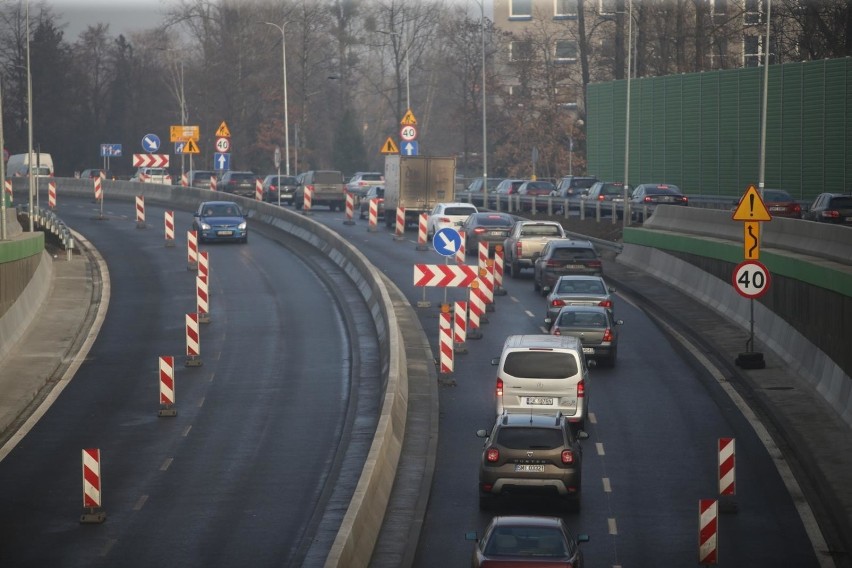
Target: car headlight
242	226
205	227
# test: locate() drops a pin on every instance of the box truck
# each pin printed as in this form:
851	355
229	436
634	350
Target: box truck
17	166
417	183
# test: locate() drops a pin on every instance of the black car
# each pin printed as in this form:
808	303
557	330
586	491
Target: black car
376	192
647	196
277	187
831	208
574	186
491	228
527	453
565	256
238	183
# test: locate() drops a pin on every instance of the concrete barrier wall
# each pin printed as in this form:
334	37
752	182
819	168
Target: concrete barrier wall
354	543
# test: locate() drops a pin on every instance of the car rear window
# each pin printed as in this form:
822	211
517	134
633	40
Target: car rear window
327	177
202	176
841	202
580	287
582	319
567	253
541	364
585	183
541	230
662	190
242	177
370	177
526	438
776	195
494	221
612	189
459	211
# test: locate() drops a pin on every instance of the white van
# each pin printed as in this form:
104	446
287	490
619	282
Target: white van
543	374
17	166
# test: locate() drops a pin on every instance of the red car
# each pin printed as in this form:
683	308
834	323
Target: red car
527	541
779	203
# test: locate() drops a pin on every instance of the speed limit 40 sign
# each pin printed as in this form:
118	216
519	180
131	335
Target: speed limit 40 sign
751	279
408	133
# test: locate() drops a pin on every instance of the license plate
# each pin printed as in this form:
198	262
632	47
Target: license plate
224	233
540	400
848	219
574	266
589	350
497	233
777	208
524	467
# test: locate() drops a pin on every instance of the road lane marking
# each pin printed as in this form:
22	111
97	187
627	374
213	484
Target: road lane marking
599	447
606	485
529	313
201	402
108	546
186	430
140	503
613	528
166	464
593	418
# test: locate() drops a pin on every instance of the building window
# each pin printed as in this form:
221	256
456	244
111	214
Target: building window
720	11
606	7
520	9
520	50
751	16
564	8
566	50
751	51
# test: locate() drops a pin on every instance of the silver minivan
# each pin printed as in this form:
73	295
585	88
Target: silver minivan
543	374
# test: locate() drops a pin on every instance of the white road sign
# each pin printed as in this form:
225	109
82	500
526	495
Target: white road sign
408	133
223	144
751	279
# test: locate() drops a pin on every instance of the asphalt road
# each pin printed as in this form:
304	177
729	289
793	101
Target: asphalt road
655	421
243	474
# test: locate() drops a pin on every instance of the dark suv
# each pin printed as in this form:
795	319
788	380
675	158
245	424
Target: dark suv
565	256
574	186
239	183
531	453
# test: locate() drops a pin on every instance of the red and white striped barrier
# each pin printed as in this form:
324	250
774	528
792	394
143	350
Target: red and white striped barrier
92	487
727	466
191	250
498	271
140	211
193	341
204	264
98	189
482	255
169	227
422	236
202	299
444	275
460	326
258	190
400	222
350	209
445	336
307	199
461	253
7	187
487	276
373	215
476	309
150	160
212	183
167	387
184	180
51	194
708	517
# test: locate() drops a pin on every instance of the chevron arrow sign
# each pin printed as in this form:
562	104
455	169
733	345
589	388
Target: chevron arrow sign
444	275
150	160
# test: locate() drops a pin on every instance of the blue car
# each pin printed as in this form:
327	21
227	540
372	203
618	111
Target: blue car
220	221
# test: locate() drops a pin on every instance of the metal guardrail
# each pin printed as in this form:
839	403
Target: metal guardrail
48	221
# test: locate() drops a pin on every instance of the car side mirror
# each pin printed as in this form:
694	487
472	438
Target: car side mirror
582	435
548	321
582	538
547	289
482	433
495	361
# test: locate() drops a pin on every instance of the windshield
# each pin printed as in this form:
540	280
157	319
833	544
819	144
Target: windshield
221	210
327	177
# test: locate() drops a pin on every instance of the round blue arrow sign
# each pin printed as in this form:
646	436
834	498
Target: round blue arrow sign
447	241
151	143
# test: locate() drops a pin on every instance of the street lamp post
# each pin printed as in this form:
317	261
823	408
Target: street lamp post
484	114
627	113
407	68
30	178
284	71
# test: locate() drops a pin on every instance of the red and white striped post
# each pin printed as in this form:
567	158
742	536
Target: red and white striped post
476	310
169	227
307	199
192	250
202	299
498	271
727	475
399	233
422	237
184	180
445	336
373	215
487	275
92	487
258	190
212	183
99	194
204	264
140	212
350	209
167	387
708	518
51	194
7	187
461	253
482	255
193	341
460	326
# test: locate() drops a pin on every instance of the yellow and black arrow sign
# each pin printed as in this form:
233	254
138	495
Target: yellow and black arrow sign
751	240
389	147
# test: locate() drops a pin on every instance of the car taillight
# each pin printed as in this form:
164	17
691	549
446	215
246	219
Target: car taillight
685	199
600	197
607	336
554	263
519	247
594	263
647	199
567	456
796	208
605	304
273	188
492	455
444	220
363	183
831	214
479	230
555	330
499	387
557	303
581	389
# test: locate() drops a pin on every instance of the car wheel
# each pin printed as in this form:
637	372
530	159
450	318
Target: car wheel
536	285
297	203
515	269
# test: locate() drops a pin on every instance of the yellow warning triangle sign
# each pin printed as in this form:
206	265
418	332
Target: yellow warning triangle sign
222	131
408	119
751	207
191	147
389	147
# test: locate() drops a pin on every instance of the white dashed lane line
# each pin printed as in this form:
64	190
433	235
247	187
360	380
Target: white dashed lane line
166	464
600	449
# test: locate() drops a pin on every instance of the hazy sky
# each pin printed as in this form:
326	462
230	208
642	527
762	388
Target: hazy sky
123	16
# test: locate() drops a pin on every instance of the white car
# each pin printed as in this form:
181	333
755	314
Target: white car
448	215
152	175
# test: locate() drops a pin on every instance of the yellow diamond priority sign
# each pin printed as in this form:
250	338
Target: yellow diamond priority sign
389	147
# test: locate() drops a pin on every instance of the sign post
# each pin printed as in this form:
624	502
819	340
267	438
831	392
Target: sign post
276	158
